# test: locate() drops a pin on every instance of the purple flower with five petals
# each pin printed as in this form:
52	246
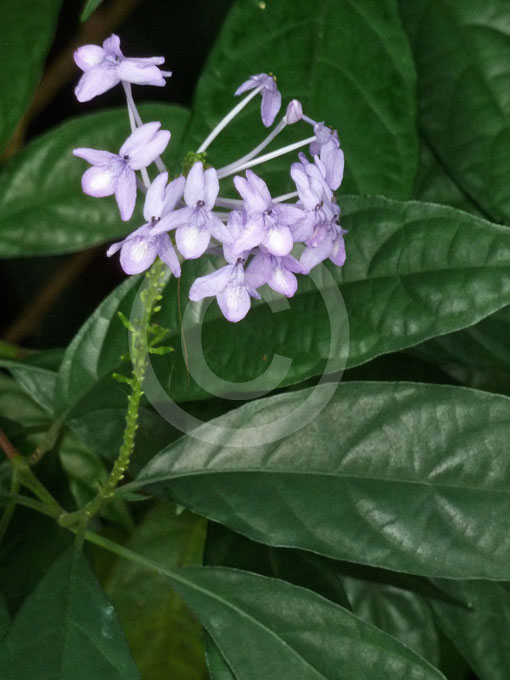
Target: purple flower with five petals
266	223
139	250
196	223
327	241
104	67
271	97
315	197
232	288
115	173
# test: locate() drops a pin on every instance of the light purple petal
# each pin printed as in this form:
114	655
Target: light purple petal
251	83
192	241
293	265
337	255
141	136
88	56
311	257
259	270
114	248
282	281
174	193
254	191
147	60
99	182
95	81
234	302
303	229
155	198
125	193
112	45
138	73
219	230
211	284
287	214
211	188
137	254
145	155
294	112
95	157
333	159
194	190
167	253
306	192
278	240
271	103
172	220
251	236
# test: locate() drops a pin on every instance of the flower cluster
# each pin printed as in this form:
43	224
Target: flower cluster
256	234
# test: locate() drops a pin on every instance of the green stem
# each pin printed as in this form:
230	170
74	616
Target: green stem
155	281
9	508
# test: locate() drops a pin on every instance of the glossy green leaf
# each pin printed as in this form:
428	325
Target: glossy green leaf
225	548
68	630
462	54
480	635
17	405
400	613
26	32
37	374
42	207
165	639
407	477
263	627
478	356
216	664
346	62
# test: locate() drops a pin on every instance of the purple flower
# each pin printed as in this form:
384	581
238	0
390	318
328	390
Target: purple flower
232	288
196	223
294	112
315	197
327	241
277	272
114	173
266	223
271	97
106	66
327	147
139	250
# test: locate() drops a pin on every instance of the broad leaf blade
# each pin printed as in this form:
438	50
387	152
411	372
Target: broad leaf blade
43	209
262	627
314	47
68	630
462	53
26	32
408	477
480	635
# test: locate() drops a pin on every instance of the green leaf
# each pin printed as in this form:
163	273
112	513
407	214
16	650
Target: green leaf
42	207
400	613
67	629
37	374
26	32
165	640
480	635
346	62
435	185
386	474
89	8
462	54
478	356
216	664
262	628
17	405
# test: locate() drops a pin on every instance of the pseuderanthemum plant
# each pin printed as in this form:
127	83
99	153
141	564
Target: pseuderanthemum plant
200	491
